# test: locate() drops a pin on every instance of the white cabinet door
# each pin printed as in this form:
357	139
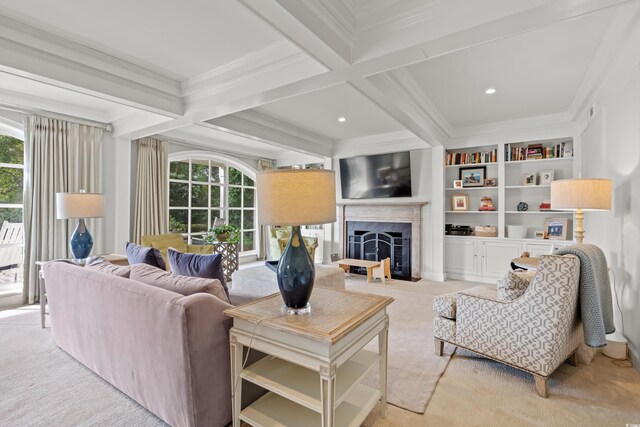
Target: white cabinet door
497	256
537	249
460	256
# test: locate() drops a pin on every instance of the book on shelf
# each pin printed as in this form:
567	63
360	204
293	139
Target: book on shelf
490	156
516	152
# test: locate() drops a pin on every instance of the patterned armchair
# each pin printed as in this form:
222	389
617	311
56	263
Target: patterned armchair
279	237
535	332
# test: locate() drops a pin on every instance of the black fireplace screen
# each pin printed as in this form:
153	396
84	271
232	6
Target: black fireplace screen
374	241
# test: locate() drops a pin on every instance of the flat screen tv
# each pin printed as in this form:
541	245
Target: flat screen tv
377	176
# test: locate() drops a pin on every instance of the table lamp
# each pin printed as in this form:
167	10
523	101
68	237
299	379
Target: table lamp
294	198
80	206
581	194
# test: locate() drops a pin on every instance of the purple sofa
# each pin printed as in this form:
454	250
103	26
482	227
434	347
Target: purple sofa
168	352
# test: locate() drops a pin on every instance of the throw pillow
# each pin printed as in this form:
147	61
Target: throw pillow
197	265
137	254
283	233
99	264
514	284
182	285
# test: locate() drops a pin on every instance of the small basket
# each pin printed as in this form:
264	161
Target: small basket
486	231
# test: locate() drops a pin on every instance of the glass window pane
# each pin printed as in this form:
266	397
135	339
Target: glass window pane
11	150
199	195
247	220
248	181
10	215
247	241
215	196
179	170
199	220
215	213
217	174
178	194
11	185
248	197
200	170
234	217
235	176
178	220
234	197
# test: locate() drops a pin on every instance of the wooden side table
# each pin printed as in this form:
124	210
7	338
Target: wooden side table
314	362
112	258
351	262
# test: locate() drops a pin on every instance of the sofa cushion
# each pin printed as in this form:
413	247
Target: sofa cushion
514	284
182	285
100	264
137	254
445	305
197	265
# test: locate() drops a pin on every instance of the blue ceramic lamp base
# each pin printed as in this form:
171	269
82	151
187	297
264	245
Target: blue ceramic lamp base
296	274
81	241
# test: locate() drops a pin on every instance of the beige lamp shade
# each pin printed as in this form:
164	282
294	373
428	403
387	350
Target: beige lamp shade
296	197
79	205
581	193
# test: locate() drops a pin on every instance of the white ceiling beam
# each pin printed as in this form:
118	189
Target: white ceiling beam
273	133
39	56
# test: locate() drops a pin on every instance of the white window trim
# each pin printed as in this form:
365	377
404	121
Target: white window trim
20	136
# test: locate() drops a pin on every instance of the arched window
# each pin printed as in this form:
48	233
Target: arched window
203	188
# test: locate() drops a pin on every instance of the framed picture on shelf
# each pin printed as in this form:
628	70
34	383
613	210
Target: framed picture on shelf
529	179
545	177
457	183
556	228
473	176
460	202
539	234
490	182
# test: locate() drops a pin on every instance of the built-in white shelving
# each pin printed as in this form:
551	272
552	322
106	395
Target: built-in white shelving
470	165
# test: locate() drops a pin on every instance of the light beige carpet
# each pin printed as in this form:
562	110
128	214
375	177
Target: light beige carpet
413	368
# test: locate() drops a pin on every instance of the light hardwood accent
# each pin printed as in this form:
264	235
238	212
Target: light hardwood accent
383	271
314	361
333	315
573	359
542	386
351	262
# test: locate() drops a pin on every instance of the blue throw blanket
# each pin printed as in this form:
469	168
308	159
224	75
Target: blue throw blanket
596	308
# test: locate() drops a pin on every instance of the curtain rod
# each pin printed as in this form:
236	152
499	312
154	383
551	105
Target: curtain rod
58	116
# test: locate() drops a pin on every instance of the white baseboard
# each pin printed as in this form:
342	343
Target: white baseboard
436	277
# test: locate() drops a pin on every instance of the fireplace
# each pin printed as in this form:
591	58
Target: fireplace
375	231
375	241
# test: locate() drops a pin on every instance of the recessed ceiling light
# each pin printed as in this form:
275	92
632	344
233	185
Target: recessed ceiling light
342	119
490	91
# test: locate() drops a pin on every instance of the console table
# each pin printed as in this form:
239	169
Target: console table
350	262
314	361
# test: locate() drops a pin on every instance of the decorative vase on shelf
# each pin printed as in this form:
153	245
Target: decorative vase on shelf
522	207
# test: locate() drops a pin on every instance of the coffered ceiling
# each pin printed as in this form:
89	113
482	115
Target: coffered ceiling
264	77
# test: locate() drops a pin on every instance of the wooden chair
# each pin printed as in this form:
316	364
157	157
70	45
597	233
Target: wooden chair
382	272
11	246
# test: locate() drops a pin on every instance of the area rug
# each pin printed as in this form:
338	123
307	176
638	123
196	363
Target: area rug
413	368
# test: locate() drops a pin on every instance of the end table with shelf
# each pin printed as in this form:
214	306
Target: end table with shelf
315	362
